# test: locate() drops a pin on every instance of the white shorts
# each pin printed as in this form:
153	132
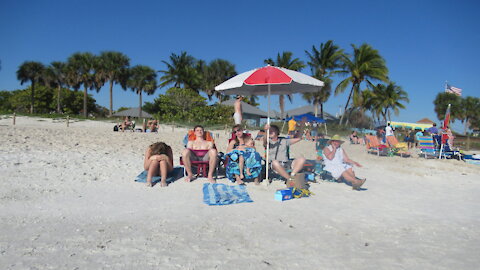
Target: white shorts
337	170
237	118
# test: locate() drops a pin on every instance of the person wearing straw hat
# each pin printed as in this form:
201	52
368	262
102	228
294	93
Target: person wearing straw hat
339	164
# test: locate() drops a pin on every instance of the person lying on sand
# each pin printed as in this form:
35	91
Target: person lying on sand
158	161
199	144
339	164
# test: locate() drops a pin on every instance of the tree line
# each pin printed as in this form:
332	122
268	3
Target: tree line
364	73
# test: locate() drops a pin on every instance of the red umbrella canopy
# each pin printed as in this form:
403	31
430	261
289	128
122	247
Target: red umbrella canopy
281	81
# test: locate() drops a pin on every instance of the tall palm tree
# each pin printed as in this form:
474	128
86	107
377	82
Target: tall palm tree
366	64
215	73
55	76
30	71
322	63
82	66
142	79
470	110
112	66
181	72
285	60
390	98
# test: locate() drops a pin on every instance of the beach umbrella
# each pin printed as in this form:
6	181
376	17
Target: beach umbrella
446	122
269	80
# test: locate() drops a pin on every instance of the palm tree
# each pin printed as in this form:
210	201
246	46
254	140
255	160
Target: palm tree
55	76
366	65
322	63
181	72
215	73
470	110
142	79
82	71
389	98
112	67
285	60
30	71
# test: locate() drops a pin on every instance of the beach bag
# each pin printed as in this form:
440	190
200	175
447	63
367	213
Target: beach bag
115	128
298	182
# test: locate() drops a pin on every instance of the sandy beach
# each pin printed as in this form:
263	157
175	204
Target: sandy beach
68	201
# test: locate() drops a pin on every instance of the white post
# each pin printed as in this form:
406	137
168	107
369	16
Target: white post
268	139
68	120
14	118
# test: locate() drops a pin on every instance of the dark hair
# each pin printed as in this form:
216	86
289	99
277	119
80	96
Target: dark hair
198	126
275	129
159	148
236	126
434	124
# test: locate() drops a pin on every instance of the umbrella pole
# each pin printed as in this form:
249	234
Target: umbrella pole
268	139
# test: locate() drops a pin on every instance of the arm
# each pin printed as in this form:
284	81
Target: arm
330	154
146	161
346	159
295	140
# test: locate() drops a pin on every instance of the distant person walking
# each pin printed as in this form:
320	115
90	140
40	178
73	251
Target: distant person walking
237	116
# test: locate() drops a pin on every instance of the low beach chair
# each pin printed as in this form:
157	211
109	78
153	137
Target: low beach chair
397	147
427	147
200	166
374	146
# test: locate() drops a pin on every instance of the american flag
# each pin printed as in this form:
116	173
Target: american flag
453	90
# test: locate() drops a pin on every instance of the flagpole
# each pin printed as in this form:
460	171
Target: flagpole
268	139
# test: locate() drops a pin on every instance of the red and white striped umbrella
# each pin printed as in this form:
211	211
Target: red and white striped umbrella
267	81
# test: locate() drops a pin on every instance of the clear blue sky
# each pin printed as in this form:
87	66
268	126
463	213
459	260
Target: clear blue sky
424	43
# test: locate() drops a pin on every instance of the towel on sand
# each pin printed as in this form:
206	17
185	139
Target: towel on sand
221	194
172	176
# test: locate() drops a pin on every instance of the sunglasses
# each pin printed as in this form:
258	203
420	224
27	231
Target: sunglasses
237	130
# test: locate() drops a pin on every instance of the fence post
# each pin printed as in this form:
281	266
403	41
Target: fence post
14	118
68	120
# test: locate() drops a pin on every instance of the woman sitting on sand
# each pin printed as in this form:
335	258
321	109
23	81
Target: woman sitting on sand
237	138
339	165
158	161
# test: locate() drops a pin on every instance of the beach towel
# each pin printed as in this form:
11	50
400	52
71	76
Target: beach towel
221	194
253	161
172	176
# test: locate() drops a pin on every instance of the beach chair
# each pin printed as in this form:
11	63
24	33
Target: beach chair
200	166
374	146
444	149
427	147
397	147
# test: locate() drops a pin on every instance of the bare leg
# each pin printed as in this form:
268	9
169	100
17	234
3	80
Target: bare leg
279	169
163	173
297	164
152	171
241	163
212	155
239	180
349	176
186	154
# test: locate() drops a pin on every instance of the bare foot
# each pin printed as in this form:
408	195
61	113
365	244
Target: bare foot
149	184
211	180
163	184
188	178
242	176
240	182
256	181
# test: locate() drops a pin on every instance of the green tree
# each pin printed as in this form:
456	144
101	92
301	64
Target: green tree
322	63
389	98
470	110
30	71
112	67
55	76
181	72
285	60
366	64
142	79
441	103
215	73
82	67
5	103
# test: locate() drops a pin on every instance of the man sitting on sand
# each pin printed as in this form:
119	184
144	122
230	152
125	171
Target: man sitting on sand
199	144
278	153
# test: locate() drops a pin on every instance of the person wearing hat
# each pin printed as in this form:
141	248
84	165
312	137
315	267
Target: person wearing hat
339	164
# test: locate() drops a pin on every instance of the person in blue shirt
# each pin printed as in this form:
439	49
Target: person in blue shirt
433	130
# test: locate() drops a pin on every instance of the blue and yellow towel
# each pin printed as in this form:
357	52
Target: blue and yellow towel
221	194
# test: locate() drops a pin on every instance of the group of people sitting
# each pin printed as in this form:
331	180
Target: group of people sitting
244	163
127	124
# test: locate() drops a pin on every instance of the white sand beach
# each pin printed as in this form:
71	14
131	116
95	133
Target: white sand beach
68	201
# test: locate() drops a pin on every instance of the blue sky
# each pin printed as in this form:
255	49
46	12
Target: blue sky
424	43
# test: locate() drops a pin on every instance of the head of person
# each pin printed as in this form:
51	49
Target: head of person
434	124
354	132
239	97
159	148
199	131
249	142
274	131
336	140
